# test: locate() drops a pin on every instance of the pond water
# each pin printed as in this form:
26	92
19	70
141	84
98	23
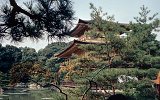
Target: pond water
22	94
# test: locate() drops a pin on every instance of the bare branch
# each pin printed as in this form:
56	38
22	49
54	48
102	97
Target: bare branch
90	86
60	90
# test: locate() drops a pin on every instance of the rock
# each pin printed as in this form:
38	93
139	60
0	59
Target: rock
34	86
125	78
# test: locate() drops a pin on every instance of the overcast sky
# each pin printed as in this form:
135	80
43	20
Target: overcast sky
123	10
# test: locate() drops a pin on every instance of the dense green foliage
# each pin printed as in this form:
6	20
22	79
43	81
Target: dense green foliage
52	49
8	56
24	64
29	55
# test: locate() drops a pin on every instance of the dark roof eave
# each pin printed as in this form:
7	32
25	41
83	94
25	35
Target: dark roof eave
75	42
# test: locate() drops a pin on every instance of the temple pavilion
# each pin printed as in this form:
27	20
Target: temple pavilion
79	33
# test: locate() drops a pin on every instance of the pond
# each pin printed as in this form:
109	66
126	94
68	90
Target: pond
22	94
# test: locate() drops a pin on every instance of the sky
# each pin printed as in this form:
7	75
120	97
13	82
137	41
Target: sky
123	10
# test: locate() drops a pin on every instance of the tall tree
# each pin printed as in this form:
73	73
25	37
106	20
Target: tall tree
51	17
141	40
8	56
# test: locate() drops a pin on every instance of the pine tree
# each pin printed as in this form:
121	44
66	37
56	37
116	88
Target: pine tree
51	17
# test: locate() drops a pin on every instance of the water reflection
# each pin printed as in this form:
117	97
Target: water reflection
18	94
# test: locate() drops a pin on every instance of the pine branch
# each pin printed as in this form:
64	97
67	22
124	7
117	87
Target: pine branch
19	9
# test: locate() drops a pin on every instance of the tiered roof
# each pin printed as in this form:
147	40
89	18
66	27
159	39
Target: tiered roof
78	31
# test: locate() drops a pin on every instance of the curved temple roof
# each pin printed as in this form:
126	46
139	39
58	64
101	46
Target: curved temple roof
83	25
79	30
73	48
